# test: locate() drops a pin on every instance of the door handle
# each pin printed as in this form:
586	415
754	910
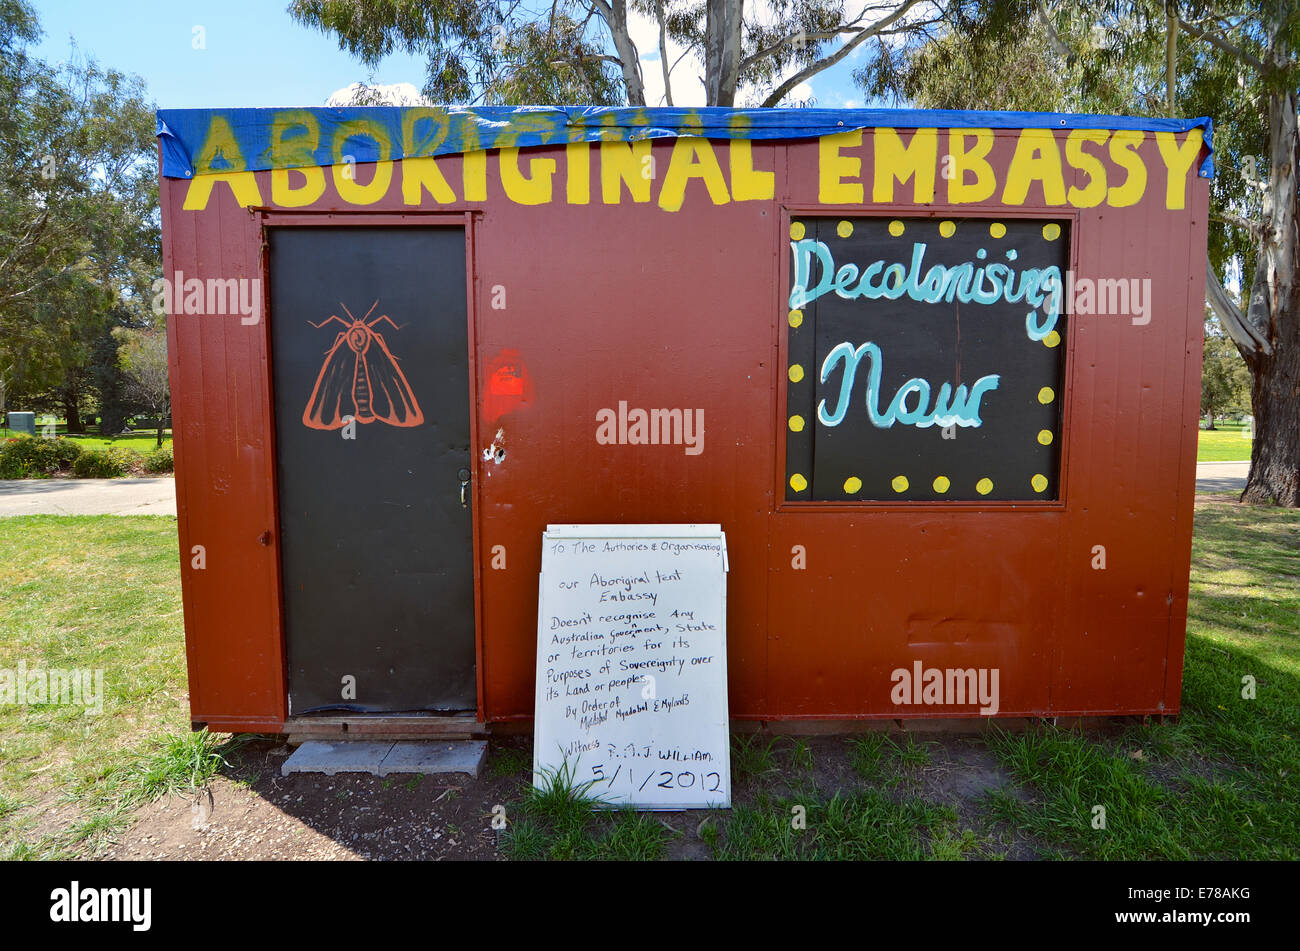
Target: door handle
463	475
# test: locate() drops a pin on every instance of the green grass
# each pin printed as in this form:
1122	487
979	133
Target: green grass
90	593
752	755
507	761
557	822
866	824
881	758
1227	442
1221	782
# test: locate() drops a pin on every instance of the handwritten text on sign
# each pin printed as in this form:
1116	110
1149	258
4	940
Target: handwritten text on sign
631	663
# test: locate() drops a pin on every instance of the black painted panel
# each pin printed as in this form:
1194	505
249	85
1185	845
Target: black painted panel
376	546
1007	446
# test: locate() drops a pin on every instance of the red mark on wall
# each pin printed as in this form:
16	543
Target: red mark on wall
507	385
360	378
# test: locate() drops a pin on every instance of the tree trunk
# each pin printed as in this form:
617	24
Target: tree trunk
1209	425
1275	386
615	14
73	412
1275	402
722	22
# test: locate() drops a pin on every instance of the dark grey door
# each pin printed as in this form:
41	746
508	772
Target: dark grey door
370	368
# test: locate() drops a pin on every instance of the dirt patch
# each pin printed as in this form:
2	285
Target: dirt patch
252	812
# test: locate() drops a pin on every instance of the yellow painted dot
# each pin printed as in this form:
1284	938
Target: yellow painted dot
796	318
798	482
1051	232
947	229
1039	482
1045	437
984	486
1046	395
796	373
895	227
899	483
796	424
941	484
796	230
852	485
844	229
1052	339
998	229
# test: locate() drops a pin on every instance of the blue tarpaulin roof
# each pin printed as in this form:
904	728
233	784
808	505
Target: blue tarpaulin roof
198	141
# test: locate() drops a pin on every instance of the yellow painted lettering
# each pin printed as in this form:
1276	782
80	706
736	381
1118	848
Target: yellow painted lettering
346	166
895	161
1036	159
1123	152
748	183
1094	193
625	163
295	134
974	159
242	185
577	181
220	150
531	189
692	158
474	171
420	175
833	168
1178	160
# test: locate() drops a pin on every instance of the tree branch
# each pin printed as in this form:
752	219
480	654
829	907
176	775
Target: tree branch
1214	39
1257	229
1250	341
825	62
663	51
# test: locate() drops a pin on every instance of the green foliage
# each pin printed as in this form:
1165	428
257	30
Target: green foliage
28	457
572	51
143	357
102	463
477	50
1225	378
158	461
78	208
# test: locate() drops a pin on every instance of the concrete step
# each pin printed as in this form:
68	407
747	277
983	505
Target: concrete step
385	757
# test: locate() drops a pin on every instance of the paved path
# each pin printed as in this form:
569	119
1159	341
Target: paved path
1221	476
158	496
88	497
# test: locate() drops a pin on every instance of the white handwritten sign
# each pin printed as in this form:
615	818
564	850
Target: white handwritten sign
632	664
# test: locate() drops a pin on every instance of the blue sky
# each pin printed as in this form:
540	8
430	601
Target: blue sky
255	54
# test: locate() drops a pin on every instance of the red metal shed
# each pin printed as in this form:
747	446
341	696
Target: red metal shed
936	374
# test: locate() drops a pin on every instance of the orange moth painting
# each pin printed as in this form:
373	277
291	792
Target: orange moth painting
360	378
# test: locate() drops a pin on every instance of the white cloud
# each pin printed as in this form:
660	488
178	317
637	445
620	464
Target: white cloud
688	90
395	94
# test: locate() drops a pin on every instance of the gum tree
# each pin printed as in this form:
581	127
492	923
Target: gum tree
585	51
1238	62
78	211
